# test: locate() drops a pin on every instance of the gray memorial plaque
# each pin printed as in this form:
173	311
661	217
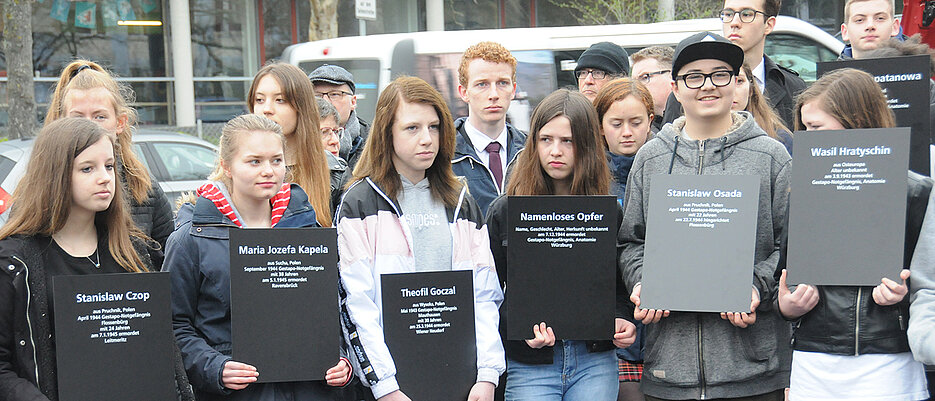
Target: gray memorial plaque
700	239
847	209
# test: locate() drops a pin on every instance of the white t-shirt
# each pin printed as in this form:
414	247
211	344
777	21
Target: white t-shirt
869	377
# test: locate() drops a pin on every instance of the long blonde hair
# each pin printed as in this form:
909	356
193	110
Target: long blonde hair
43	197
84	75
310	169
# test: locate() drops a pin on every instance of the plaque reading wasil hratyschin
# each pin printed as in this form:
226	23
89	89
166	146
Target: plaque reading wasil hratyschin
284	301
700	239
847	208
562	257
113	337
428	326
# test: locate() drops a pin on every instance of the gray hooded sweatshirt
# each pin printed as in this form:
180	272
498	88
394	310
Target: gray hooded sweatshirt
922	291
699	355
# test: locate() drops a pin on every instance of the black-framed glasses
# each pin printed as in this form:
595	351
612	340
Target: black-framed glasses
696	80
747	15
648	76
326	132
596	74
333	95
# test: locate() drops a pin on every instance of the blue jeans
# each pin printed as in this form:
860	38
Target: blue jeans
574	374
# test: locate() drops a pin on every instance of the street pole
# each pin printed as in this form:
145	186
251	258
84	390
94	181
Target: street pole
182	63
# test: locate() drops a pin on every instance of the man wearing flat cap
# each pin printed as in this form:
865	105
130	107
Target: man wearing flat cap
336	85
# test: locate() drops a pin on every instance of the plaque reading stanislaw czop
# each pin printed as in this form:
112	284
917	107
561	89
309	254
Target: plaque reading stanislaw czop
905	81
847	208
562	266
428	326
284	301
113	337
700	242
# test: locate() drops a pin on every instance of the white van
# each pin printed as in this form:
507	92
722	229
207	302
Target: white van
546	56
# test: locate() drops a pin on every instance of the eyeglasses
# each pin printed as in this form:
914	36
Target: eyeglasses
648	76
596	74
696	80
333	95
328	131
747	15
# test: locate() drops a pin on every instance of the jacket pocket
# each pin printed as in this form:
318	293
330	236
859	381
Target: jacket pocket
748	353
671	351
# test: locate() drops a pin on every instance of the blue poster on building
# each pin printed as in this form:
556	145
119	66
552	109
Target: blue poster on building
85	15
60	9
149	5
109	12
126	10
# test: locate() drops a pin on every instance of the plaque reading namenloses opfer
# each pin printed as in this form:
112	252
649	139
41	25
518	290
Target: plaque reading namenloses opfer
562	271
113	337
428	326
700	242
847	208
284	301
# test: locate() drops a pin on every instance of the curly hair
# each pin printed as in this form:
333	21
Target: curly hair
487	51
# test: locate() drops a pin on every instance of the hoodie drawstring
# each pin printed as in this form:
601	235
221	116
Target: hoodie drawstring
723	146
674	150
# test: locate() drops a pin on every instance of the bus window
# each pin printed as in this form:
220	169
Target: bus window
366	74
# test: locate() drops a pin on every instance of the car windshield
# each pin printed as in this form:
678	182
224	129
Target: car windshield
185	162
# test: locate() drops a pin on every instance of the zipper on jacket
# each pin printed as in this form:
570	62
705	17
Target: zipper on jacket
489	173
700	357
32	340
857	325
701	155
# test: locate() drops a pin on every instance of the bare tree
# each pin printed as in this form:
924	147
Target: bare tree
598	12
323	21
17	47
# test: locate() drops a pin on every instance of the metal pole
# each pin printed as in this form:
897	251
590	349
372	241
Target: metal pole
362	27
434	15
182	63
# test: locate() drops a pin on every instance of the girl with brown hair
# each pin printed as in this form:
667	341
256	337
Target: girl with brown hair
562	156
87	90
69	216
406	212
747	97
282	93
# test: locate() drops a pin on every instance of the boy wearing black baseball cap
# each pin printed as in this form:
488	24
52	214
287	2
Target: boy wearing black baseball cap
693	355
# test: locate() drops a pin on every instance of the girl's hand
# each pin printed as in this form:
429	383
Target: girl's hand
237	376
646	316
481	391
543	336
624	333
793	304
890	293
340	374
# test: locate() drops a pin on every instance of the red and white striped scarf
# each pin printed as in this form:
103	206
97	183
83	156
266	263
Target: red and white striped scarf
279	202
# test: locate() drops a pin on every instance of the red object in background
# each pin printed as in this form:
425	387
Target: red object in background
4	200
913	11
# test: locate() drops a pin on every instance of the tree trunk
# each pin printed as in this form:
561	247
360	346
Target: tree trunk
17	46
323	21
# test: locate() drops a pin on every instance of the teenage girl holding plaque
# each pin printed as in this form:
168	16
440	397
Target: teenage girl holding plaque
282	93
564	155
405	211
246	191
850	342
69	216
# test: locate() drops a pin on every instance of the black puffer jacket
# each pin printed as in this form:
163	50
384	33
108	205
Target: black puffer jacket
27	370
846	320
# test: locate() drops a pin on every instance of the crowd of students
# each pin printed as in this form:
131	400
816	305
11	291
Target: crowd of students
417	191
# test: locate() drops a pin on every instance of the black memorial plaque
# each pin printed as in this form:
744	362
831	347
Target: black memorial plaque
847	208
428	326
700	242
113	337
905	81
284	301
562	266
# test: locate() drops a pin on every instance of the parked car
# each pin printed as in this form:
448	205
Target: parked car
179	162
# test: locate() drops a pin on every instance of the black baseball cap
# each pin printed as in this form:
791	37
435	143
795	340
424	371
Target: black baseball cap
703	46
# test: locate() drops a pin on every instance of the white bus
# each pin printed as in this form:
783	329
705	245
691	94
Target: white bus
546	56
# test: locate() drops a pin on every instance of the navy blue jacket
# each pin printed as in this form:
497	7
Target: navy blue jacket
198	257
467	164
